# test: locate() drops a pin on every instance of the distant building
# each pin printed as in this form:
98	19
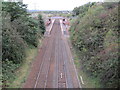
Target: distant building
14	0
34	14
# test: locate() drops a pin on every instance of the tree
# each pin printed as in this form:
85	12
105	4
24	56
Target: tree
15	10
21	20
82	9
19	32
41	24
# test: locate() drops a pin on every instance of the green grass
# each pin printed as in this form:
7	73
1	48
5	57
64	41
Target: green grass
23	71
89	81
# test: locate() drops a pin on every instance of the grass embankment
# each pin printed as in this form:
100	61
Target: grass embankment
94	34
22	72
89	81
24	69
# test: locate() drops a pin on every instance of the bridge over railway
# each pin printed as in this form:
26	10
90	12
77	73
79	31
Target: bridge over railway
54	66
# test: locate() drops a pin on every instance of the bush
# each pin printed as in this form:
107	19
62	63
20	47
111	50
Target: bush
8	72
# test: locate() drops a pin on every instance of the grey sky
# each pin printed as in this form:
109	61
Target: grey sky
55	4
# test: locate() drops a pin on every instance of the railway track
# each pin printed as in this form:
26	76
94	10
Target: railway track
53	67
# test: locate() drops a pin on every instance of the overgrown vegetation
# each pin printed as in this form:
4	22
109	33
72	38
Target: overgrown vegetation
19	32
95	35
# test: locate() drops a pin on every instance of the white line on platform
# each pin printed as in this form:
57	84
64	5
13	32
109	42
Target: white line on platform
61	26
51	26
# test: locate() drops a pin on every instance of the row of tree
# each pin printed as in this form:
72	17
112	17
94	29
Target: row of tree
19	32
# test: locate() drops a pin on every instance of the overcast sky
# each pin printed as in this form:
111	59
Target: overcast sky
55	4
